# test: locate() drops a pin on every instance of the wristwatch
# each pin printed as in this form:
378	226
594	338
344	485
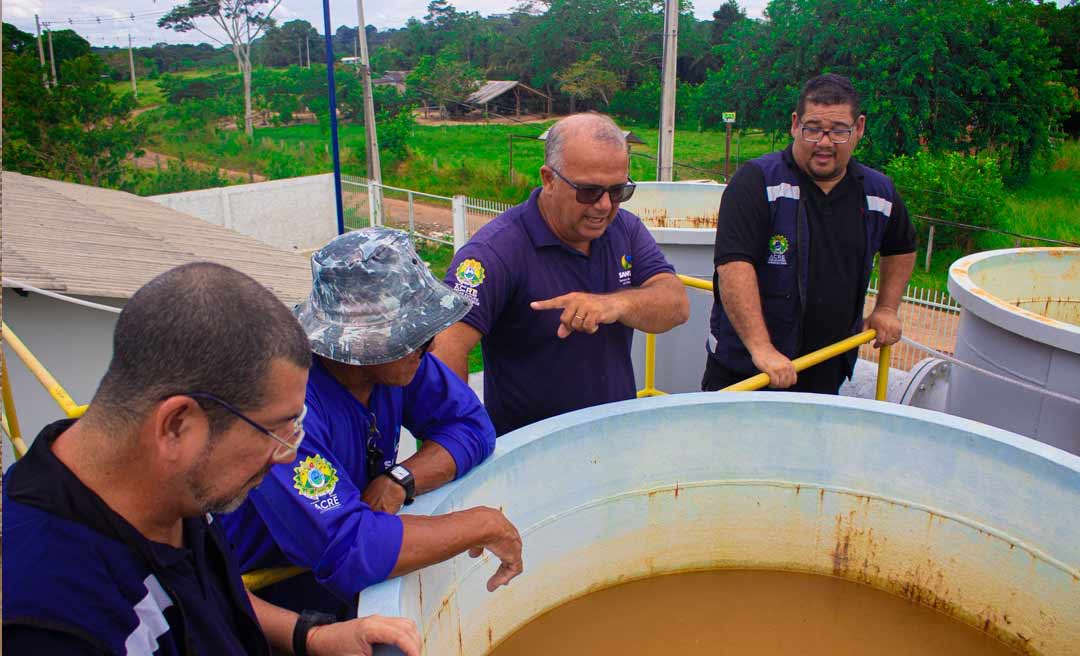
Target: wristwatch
307	619
403	477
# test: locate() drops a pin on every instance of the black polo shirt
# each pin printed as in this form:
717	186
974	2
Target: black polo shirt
201	606
837	249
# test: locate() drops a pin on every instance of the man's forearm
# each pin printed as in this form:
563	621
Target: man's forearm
895	274
427	540
657	306
742	303
432	467
277	623
452	347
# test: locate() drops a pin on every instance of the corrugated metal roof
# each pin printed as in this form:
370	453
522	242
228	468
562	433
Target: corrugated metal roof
88	241
490	90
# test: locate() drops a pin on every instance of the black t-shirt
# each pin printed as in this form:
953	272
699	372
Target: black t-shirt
837	244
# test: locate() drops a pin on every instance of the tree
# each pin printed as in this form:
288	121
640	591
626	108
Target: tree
18	42
973	75
78	131
240	20
587	79
288	44
444	80
67	45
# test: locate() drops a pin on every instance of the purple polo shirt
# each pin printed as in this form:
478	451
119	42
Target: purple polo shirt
529	373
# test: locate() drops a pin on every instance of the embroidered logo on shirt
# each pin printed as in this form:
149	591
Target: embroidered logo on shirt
626	261
315	477
778	248
470	272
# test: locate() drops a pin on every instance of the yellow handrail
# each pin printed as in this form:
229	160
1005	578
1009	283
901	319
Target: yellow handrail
761	380
261	578
810	359
51	385
10	419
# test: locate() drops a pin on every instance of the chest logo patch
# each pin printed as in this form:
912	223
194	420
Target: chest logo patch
315	477
470	273
627	262
778	248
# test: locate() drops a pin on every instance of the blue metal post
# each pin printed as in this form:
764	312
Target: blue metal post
333	116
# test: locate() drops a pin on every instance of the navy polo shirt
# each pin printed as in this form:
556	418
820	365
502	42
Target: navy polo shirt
529	373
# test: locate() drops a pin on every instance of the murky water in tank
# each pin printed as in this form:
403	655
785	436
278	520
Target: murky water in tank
746	613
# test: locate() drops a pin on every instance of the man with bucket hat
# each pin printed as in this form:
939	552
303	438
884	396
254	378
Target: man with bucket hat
373	312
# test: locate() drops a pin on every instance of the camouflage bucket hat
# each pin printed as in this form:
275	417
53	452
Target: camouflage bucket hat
372	299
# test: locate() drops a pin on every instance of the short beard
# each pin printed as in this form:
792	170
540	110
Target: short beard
199	491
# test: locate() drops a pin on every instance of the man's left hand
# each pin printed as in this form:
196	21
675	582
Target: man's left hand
384	495
582	312
887	325
357	637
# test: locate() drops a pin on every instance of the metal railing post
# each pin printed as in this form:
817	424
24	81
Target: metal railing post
461	226
929	249
650	368
11	419
412	217
884	356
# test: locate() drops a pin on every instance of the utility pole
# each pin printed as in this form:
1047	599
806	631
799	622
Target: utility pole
300	53
356	51
307	45
665	151
131	63
41	53
52	59
374	167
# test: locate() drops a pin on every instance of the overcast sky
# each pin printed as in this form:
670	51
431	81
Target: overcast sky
116	22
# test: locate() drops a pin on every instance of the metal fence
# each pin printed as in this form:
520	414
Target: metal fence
928	317
436	218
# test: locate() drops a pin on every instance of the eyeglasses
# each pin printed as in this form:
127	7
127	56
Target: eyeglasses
590	194
815	134
286	445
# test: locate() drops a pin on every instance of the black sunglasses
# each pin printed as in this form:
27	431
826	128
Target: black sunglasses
590	194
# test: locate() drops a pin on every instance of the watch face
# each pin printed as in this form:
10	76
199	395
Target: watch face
399	473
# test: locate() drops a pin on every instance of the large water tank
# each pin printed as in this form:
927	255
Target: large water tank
969	519
1021	320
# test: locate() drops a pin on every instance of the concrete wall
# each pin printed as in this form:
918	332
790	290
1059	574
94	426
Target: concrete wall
292	214
680	352
73	342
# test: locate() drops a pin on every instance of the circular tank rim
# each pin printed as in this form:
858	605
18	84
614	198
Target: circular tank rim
385	598
997	311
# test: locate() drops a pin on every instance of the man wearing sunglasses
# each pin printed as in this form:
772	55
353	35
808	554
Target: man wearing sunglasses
109	547
561	282
373	311
795	247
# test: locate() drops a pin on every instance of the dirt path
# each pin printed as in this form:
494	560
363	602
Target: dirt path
151	160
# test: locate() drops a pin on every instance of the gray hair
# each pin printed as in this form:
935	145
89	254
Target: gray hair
597	127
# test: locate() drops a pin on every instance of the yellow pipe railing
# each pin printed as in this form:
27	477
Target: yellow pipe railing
810	359
10	419
762	380
261	578
51	385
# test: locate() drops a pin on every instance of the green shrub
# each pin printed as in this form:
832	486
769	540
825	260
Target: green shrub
954	187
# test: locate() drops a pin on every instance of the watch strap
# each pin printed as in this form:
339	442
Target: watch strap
304	622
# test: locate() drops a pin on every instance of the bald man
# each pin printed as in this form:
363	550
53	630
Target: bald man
560	283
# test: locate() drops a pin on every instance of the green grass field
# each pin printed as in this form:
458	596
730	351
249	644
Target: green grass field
475	160
448	160
149	93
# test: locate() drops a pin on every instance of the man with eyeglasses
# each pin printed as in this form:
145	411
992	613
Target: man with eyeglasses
109	545
373	311
561	282
795	246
